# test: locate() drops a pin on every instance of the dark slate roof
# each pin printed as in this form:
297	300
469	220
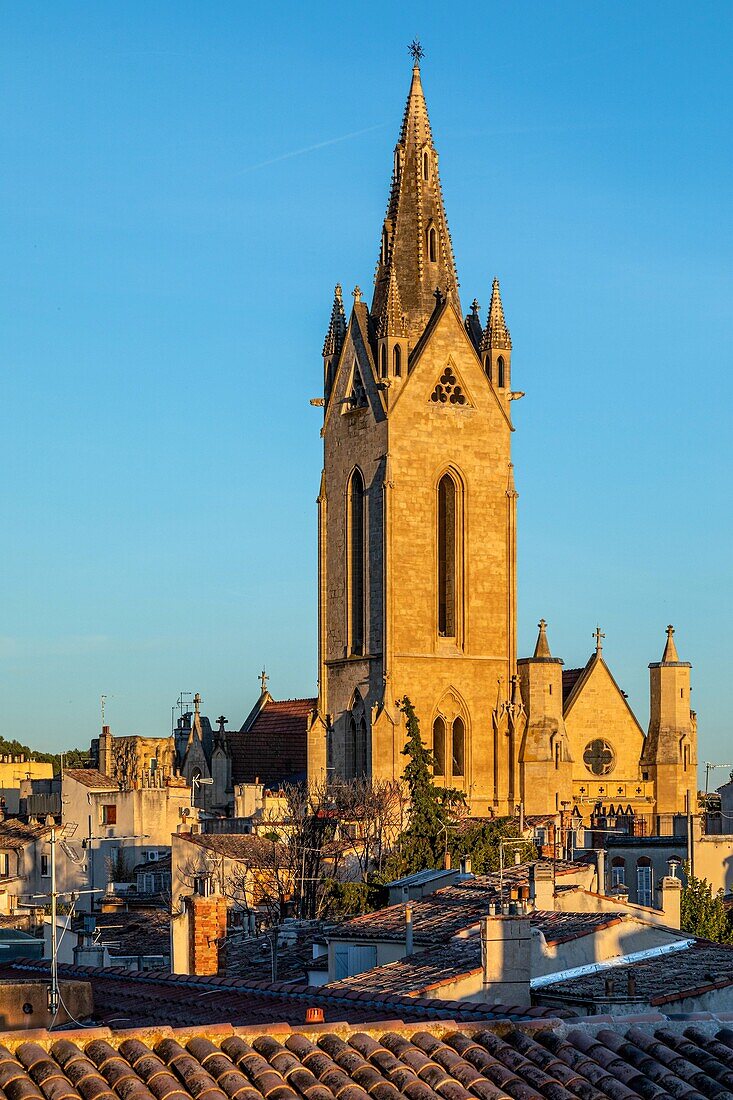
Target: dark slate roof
570	677
274	749
384	1061
663	980
439	916
154	998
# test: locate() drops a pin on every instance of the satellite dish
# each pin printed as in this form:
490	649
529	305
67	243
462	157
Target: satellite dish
70	851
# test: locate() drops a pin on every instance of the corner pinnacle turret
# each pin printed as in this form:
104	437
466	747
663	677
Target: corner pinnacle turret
496	333
416	246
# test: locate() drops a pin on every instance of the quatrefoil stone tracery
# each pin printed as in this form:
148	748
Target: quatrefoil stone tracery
448	390
599	757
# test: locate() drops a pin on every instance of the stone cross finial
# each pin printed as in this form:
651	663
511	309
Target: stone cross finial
197	703
670	632
263	681
356	294
475	307
599	636
418	53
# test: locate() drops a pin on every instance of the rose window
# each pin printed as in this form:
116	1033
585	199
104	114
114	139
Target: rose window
448	390
599	757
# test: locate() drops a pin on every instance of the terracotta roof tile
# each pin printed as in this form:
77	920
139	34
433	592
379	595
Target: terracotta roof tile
16	834
92	777
273	750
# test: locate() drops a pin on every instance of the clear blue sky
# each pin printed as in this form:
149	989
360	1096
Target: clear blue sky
181	186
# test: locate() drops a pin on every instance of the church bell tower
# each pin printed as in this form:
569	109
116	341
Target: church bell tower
417	507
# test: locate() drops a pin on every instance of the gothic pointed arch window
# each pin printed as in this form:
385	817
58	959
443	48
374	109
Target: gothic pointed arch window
448	556
432	243
356	561
439	746
383	361
426	165
487	368
458	748
350	748
385	245
360	753
397	361
500	372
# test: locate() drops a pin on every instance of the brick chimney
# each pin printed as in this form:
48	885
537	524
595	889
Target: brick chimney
207	925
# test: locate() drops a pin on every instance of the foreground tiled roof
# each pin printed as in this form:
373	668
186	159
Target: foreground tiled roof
663	980
153	998
273	750
92	777
442	914
461	957
640	1057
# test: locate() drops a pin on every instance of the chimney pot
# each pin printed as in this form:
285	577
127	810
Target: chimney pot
314	1015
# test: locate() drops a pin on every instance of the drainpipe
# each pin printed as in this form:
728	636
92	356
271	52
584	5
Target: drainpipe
408	929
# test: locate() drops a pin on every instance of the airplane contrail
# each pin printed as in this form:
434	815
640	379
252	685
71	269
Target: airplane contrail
309	149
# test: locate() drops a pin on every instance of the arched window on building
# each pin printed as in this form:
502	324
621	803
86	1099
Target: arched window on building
500	372
397	361
356	563
432	244
487	368
439	746
360	749
350	749
385	245
618	871
644	881
459	747
425	165
447	546
383	361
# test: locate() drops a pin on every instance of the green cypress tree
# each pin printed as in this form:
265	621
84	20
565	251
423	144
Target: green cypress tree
422	844
703	913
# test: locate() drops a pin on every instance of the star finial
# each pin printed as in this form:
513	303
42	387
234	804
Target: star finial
418	53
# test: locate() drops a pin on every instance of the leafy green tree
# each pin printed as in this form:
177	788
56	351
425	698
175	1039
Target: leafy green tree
423	843
481	843
703	913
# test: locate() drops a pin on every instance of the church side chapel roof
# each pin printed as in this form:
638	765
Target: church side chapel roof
438	917
271	748
640	1056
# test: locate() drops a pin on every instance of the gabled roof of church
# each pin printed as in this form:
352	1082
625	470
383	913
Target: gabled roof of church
271	746
578	677
415	207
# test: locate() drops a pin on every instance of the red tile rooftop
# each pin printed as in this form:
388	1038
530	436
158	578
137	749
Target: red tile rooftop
440	915
641	1057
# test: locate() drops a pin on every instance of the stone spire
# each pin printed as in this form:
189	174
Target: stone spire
496	333
337	325
669	657
416	244
391	322
542	649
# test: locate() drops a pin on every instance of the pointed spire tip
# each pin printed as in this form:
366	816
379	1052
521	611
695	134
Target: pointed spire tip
542	648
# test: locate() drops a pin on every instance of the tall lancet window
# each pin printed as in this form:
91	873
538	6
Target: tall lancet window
447	539
439	746
356	564
501	372
432	245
